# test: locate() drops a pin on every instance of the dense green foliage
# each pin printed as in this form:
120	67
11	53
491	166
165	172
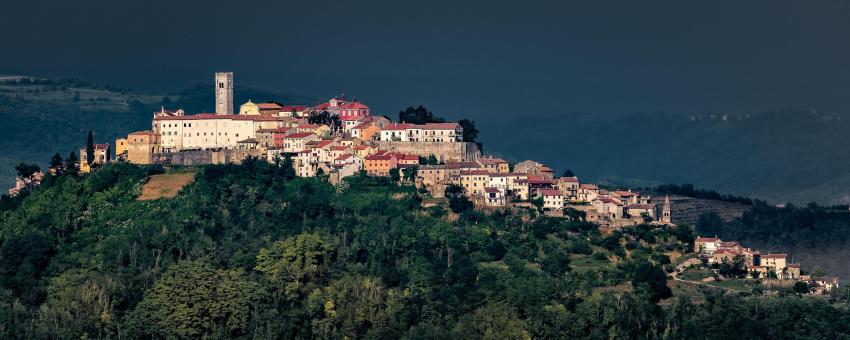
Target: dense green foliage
251	251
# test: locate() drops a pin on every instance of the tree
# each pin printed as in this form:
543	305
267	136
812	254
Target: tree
56	162
394	175
418	115
653	279
410	173
287	167
470	133
71	163
26	170
568	173
709	224
801	288
297	262
195	300
90	149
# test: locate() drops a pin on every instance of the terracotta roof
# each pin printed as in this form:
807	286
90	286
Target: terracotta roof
101	146
379	157
299	135
588	186
794	265
491	189
641	206
361	147
568	179
725	251
267	106
398	126
474	172
145	132
352	105
343	157
440	126
323	143
775	256
339	148
609	200
707	239
550	192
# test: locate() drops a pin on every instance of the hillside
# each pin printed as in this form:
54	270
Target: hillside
784	156
39	117
252	251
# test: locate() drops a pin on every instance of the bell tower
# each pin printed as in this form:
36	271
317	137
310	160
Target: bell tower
665	211
224	93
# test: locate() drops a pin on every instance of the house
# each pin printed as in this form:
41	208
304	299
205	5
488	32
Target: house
494	197
141	147
121	148
474	181
364	150
568	186
441	132
101	156
706	245
306	163
347	165
587	192
640	209
380	164
534	168
269	108
494	165
723	254
296	142
368	128
608	208
552	199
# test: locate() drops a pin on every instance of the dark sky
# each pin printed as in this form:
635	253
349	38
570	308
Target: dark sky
485	60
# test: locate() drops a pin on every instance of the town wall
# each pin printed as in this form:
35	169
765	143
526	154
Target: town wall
460	151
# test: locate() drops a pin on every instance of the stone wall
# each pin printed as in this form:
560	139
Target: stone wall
199	157
443	151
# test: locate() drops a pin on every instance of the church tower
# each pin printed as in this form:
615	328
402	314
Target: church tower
224	93
665	211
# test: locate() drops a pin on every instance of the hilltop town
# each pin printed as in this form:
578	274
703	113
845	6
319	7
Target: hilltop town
343	137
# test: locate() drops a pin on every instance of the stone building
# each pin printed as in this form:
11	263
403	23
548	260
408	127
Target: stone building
224	93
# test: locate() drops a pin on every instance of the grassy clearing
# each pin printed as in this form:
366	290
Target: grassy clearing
683	290
741	285
695	274
165	185
581	263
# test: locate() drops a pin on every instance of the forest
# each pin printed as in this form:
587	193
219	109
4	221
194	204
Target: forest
251	251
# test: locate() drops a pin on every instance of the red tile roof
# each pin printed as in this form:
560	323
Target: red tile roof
707	239
398	126
491	189
299	135
101	146
440	126
775	256
550	192
568	179
268	106
474	172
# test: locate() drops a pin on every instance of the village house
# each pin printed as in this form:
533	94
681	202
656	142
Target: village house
296	142
474	181
534	168
608	208
380	164
587	192
640	210
347	165
494	165
101	156
552	199
494	197
568	187
141	147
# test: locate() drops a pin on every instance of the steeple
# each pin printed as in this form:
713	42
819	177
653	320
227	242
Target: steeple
665	211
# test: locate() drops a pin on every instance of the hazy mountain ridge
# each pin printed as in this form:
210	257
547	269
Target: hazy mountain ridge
787	155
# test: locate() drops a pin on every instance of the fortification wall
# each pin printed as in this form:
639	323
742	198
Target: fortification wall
443	151
198	157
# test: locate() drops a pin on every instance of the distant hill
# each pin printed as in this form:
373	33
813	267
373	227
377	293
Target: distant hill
39	117
788	155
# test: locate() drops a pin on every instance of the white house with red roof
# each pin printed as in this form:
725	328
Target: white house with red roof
347	165
494	197
552	199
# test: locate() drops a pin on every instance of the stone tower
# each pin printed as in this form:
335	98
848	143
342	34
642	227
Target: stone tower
224	93
665	211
